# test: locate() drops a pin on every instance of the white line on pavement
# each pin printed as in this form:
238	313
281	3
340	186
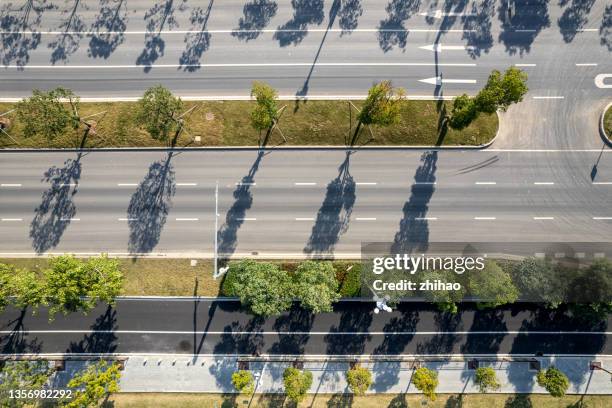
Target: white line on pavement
10	185
484	218
187	219
304	219
186	184
485	183
12	219
68	184
602	183
525	30
543	183
549	97
365	219
426	218
70	219
127	184
127	219
314	333
587	64
426	183
543	218
305	184
269	31
588	30
366	184
247	219
524	65
245	184
602	218
249	65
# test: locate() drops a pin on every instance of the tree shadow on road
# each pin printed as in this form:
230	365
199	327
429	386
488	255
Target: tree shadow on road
605	31
484	321
350	11
107	32
352	319
297	320
16	45
477	28
413	231
159	17
520	30
335	213
196	43
15	342
305	12
67	43
256	16
242	338
150	205
57	209
102	338
243	200
574	17
392	32
444	342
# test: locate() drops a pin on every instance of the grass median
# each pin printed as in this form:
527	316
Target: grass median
227	123
129	400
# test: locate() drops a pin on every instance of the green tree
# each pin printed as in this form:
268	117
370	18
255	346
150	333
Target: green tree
489	98
382	107
22	375
536	280
243	381
73	285
486	379
262	287
265	113
592	285
359	379
158	112
6	275
94	385
445	300
463	113
493	285
27	289
315	285
514	85
426	381
45	114
554	381
297	383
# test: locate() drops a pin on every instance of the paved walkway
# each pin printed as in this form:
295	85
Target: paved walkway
212	374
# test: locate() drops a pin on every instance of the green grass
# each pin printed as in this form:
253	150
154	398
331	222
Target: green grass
608	122
226	123
129	400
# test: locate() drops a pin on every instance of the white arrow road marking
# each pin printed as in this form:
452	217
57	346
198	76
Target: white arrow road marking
439	81
439	47
439	14
600	81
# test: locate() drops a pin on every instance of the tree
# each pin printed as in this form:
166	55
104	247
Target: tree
316	286
23	286
445	300
486	379
94	384
45	114
297	383
359	379
72	285
463	113
262	287
492	285
381	107
590	291
6	274
22	375
265	113
536	280
514	85
554	381
158	111
489	98
243	381
426	381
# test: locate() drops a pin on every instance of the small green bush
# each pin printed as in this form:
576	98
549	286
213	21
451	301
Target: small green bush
351	285
486	379
359	379
554	381
297	383
426	381
243	381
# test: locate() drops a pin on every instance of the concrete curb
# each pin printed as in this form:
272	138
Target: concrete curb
602	130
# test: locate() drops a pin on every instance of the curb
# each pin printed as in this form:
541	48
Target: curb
602	130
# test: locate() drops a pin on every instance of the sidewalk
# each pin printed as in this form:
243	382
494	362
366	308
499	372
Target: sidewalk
213	374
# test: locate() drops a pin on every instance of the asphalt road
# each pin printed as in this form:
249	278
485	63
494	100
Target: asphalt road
295	203
207	327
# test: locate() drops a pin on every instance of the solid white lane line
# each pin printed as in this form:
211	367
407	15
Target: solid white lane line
365	219
543	218
10	185
588	30
366	184
12	219
602	218
127	219
68	185
425	218
247	219
305	184
269	31
543	183
186	184
245	184
127	184
70	219
484	218
602	183
549	97
304	219
187	219
426	183
485	183
249	65
587	64
524	65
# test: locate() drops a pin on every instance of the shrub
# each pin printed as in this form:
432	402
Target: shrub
243	381
297	383
351	285
463	113
554	381
426	381
359	379
486	379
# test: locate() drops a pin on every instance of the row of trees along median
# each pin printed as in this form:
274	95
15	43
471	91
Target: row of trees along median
67	285
359	380
50	114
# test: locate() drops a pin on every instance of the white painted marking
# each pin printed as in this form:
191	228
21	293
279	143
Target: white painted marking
580	255
484	218
426	183
543	218
127	184
245	65
524	65
305	219
269	31
588	30
186	184
587	64
68	185
525	30
543	183
187	219
597	255
426	218
439	47
549	97
600	81
305	184
439	81
247	219
486	183
602	183
559	254
540	255
245	184
127	219
367	183
438	14
70	219
602	218
12	219
10	185
365	219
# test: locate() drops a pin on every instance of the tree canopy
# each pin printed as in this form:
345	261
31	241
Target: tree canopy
297	383
158	112
381	107
486	379
22	375
554	381
426	381
243	381
265	112
493	285
316	286
359	379
94	384
536	280
45	113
